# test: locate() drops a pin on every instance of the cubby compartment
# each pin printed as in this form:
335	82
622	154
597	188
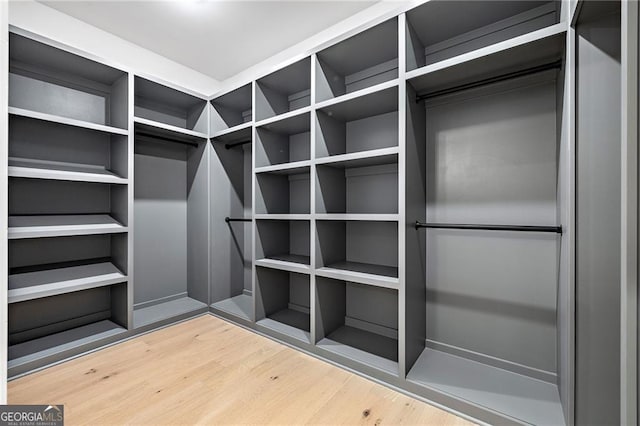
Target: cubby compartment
232	110
439	30
359	251
364	185
358	322
231	224
171	236
55	85
49	208
285	90
41	329
283	302
165	107
47	150
284	141
46	267
285	191
283	244
361	61
364	125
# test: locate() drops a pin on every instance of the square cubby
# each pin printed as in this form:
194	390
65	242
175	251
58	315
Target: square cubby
285	90
283	302
231	109
284	141
284	191
283	243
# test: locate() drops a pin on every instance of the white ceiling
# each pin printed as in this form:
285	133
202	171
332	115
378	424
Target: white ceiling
217	38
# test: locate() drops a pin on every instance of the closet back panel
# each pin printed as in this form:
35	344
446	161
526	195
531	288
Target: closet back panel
160	216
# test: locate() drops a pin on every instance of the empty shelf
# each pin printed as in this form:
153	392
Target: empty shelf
50	282
286	168
66	121
167	130
372	349
289	322
373	157
364	217
286	262
166	310
530	400
67	340
38	169
62	225
288	116
364	103
240	306
363	273
233	134
283	216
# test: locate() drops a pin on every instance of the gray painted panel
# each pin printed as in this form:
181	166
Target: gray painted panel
47	197
375	305
198	223
598	221
42	251
372	242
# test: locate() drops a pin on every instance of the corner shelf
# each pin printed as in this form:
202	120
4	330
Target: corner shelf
233	134
63	225
51	282
66	121
240	306
162	129
157	313
52	170
232	110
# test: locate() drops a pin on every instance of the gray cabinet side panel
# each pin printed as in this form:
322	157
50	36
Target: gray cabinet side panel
198	223
598	222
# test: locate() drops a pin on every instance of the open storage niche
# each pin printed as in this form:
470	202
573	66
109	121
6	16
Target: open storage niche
365	123
439	30
283	244
285	191
284	141
231	110
171	237
283	302
164	106
285	90
359	322
48	150
363	185
364	60
48	208
56	85
488	331
359	251
231	221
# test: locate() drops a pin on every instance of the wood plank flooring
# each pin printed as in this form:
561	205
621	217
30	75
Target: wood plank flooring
207	371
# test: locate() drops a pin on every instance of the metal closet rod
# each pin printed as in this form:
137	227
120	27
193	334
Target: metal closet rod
236	219
522	228
164	138
231	145
503	77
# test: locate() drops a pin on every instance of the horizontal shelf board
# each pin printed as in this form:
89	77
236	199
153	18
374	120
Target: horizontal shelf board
285	116
36	169
167	130
63	225
264	216
240	306
363	217
363	346
235	133
369	102
373	157
376	275
56	343
166	310
289	323
286	168
294	264
527	50
530	400
66	121
51	282
298	123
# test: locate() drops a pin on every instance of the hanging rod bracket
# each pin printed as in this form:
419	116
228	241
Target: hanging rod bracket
520	228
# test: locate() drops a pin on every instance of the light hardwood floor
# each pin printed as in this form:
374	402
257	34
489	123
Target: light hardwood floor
207	371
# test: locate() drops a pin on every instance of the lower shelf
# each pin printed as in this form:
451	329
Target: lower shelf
164	311
369	348
363	273
53	344
530	400
286	262
240	306
290	322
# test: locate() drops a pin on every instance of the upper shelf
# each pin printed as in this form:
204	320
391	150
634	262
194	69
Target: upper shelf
40	169
437	30
66	121
364	60
283	91
379	100
161	131
231	109
170	107
42	226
